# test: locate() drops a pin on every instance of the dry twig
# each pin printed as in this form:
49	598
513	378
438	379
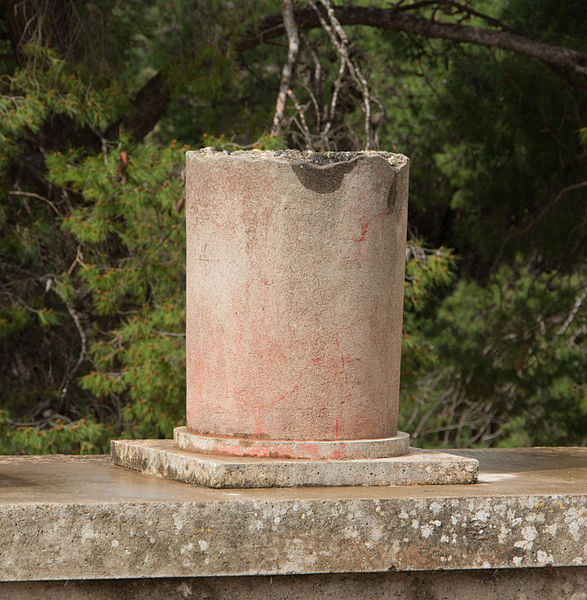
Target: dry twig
288	68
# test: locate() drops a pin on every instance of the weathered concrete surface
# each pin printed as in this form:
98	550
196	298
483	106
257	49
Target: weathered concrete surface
547	583
418	467
295	278
82	518
313	450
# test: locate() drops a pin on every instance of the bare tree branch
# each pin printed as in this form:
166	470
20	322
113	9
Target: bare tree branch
63	388
574	310
394	19
33	195
301	110
288	67
340	42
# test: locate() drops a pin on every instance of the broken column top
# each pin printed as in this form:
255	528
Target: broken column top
321	172
319	159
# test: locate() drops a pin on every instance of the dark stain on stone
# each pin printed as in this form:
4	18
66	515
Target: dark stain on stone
323	179
9	481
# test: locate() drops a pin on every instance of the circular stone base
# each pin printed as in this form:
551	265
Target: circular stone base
314	450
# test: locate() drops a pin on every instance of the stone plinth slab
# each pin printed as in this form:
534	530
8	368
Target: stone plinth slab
418	467
83	518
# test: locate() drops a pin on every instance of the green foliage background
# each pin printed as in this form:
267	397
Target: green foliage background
92	238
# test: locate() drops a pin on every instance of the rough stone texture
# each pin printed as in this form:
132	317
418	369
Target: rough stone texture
317	450
163	458
82	518
295	278
547	583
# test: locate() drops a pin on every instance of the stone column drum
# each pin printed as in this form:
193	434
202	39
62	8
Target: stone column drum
295	280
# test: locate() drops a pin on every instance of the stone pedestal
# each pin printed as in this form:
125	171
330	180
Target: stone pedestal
295	279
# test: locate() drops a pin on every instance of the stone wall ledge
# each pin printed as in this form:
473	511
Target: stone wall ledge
66	517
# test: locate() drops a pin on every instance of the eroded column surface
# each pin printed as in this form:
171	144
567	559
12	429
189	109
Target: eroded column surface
295	278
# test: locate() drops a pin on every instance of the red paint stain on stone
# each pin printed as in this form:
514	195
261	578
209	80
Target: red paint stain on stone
240	394
309	449
364	223
257	451
337	454
347	395
258	427
197	372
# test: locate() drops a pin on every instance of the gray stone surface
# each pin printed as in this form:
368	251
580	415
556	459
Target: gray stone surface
419	467
567	583
83	518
